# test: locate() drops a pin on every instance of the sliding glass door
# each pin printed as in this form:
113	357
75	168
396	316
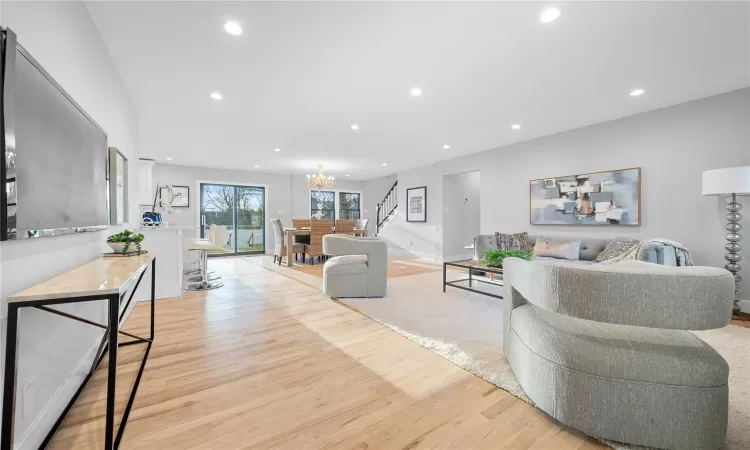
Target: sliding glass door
241	209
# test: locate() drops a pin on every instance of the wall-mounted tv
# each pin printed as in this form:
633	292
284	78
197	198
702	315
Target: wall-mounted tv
55	161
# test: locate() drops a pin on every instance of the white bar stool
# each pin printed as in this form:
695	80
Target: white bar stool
215	241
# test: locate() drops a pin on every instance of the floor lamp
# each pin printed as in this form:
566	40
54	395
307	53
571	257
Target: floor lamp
732	181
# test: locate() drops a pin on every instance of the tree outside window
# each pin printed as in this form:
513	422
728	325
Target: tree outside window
322	205
349	206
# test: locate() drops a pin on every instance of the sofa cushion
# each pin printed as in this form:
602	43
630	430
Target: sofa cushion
557	249
617	247
649	355
515	241
347	264
482	243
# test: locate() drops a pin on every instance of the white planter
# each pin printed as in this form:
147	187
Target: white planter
118	247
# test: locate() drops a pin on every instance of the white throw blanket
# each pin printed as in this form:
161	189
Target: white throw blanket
682	253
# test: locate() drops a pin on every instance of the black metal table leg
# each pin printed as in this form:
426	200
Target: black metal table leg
153	294
470	272
114	318
444	266
9	383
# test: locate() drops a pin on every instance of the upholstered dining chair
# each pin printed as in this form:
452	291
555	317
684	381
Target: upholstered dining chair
279	246
345	226
318	229
361	224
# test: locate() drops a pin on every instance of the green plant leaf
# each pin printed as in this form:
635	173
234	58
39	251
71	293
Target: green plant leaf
495	258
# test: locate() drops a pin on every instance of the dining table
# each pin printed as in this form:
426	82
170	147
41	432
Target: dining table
292	232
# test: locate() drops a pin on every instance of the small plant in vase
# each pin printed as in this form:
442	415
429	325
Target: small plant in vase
495	258
121	242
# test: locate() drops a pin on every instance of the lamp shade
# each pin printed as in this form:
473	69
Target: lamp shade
732	180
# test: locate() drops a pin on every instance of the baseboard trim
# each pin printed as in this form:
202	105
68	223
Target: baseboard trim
44	421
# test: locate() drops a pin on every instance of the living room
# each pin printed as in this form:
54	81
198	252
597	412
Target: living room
375	225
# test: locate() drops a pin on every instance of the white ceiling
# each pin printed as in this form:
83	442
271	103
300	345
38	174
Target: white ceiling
302	73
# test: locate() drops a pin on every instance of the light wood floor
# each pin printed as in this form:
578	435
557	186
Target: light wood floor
268	362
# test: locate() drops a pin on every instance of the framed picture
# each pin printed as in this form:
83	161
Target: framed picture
600	198
180	196
416	204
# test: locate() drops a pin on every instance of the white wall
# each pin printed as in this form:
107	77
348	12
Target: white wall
673	146
62	37
461	214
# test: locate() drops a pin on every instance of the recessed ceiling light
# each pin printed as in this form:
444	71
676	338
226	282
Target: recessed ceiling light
549	14
346	175
277	149
256	166
233	28
515	126
446	146
385	164
637	92
168	158
216	95
355	127
416	92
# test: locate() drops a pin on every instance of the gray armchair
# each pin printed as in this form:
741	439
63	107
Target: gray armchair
359	268
602	349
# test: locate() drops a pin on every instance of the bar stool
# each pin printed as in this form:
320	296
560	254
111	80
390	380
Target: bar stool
214	242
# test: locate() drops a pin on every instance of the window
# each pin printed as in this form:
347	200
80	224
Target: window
349	206
335	204
322	205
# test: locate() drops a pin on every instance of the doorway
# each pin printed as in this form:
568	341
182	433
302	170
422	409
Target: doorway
461	214
242	209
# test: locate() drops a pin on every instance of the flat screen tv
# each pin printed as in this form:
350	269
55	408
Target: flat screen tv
55	161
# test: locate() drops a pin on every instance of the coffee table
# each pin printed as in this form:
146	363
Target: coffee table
474	268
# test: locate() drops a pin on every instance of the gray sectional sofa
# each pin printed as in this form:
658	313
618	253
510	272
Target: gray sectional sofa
590	249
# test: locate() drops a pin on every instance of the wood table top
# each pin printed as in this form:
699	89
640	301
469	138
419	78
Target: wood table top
102	276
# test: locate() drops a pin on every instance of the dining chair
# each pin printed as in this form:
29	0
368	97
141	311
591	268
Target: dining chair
301	223
318	229
345	226
361	224
279	247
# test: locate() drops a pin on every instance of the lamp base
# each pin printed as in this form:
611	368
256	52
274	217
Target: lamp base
733	248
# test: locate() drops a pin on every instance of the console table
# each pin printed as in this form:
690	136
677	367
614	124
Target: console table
105	278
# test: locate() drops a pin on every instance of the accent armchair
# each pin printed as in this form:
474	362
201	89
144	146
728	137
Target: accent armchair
603	349
359	269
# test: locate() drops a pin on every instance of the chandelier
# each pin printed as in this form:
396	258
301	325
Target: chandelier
320	181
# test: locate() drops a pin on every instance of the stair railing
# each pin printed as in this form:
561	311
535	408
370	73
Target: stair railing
387	206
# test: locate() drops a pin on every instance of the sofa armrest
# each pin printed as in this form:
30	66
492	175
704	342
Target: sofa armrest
339	245
627	293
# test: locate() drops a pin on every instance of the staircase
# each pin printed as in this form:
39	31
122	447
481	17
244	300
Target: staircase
387	208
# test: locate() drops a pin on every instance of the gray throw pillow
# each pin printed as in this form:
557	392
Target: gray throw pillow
517	241
558	249
617	247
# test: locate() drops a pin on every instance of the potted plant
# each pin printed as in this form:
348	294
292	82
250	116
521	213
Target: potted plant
122	241
494	258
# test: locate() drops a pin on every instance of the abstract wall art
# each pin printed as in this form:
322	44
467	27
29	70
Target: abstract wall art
600	198
416	204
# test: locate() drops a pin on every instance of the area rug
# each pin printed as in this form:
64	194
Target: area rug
467	330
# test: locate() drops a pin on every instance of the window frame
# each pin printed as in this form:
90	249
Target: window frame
336	199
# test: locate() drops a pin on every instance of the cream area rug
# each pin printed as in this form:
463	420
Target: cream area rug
467	329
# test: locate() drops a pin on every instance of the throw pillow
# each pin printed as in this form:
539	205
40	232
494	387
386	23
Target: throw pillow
616	248
558	249
517	241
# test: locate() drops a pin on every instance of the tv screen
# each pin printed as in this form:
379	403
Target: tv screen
55	154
